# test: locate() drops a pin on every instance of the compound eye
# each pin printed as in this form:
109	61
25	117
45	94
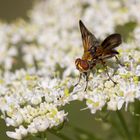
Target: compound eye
84	65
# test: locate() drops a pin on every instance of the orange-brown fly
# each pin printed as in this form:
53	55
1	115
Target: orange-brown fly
96	52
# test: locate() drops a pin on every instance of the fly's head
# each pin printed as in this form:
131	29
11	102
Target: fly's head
82	65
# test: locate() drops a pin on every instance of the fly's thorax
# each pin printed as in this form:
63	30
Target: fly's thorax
87	56
82	65
99	51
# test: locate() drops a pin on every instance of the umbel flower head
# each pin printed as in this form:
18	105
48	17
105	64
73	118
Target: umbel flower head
31	103
102	92
46	46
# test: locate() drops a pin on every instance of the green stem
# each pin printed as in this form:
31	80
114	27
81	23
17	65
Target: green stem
136	127
78	130
136	120
124	125
43	136
60	135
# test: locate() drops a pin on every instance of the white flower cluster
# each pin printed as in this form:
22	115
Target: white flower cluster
61	17
31	103
47	45
54	28
103	92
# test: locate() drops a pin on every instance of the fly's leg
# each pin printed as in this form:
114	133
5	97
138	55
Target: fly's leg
118	61
78	80
103	63
87	78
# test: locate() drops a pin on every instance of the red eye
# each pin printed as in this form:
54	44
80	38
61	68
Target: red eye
81	65
84	64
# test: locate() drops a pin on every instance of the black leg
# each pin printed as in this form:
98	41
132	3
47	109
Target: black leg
78	80
118	61
87	76
103	63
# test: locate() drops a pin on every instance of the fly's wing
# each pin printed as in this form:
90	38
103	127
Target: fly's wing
108	54
88	38
111	42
